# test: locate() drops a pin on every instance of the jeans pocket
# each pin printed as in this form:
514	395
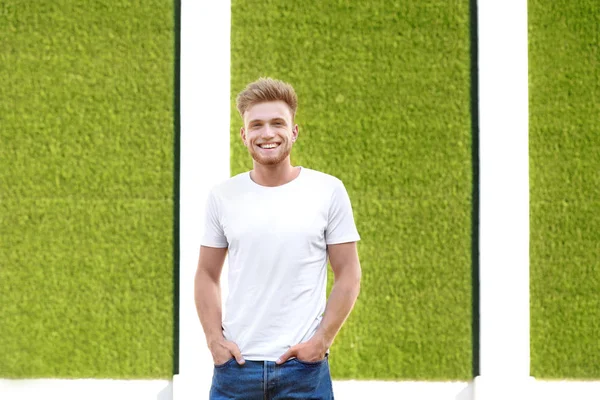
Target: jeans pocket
311	363
225	364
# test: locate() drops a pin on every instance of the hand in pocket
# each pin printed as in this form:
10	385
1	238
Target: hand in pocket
224	350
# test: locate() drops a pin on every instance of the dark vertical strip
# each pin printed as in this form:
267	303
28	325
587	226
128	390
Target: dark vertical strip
475	185
176	168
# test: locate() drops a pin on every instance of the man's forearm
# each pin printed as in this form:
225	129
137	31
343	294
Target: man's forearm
207	294
341	300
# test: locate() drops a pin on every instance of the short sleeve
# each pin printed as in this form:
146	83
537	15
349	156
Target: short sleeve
340	222
213	235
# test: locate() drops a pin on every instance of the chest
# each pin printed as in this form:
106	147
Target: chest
271	218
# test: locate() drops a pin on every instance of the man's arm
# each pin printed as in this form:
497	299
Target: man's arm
346	286
207	293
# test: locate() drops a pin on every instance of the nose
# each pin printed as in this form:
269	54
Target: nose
268	132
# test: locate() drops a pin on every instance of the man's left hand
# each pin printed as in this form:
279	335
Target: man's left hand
311	351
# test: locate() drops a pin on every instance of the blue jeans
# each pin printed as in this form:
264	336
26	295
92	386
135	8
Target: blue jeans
264	380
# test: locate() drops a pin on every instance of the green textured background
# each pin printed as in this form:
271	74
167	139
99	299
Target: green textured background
86	178
384	104
564	65
86	185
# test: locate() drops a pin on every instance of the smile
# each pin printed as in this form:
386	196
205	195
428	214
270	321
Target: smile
268	145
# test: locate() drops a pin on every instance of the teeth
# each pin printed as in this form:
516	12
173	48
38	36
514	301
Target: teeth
269	146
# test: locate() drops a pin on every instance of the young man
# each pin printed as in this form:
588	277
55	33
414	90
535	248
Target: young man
279	224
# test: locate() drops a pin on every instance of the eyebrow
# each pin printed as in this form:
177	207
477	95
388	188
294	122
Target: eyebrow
277	119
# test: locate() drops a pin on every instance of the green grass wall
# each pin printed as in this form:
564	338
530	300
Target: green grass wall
86	186
564	65
86	178
384	104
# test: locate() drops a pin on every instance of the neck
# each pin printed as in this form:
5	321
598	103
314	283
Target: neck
274	175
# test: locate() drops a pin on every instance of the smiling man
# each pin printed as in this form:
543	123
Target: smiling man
279	224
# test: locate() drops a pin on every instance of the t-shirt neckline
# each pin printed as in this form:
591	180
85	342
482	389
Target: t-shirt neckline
254	184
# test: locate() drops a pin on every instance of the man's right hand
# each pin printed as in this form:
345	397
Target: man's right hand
224	350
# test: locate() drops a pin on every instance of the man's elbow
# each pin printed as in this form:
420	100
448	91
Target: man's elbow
351	280
203	275
358	278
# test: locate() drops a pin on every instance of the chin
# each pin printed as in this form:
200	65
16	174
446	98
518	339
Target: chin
268	161
274	160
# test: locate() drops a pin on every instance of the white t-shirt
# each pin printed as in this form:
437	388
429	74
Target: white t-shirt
277	239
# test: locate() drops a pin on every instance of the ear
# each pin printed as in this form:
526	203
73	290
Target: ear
295	133
243	135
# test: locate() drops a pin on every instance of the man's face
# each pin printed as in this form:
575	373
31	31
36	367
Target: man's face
269	132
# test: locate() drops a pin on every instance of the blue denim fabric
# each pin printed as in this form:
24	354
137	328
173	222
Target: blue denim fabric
264	380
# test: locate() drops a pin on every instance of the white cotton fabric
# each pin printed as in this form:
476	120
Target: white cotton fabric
277	239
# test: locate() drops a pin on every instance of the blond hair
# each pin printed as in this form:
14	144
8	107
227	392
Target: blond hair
267	89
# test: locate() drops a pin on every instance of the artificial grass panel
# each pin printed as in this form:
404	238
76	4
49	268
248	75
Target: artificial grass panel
565	181
88	288
384	104
86	175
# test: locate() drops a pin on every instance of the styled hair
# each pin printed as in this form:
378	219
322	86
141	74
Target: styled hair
267	89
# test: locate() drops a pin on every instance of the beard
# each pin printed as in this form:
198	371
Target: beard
283	151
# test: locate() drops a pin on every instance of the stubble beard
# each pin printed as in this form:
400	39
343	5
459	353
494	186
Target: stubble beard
273	160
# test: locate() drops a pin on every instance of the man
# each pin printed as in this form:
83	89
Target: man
279	224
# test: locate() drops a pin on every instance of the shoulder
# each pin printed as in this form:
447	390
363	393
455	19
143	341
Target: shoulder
321	179
230	186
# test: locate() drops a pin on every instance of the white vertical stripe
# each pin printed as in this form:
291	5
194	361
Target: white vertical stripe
504	196
205	105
